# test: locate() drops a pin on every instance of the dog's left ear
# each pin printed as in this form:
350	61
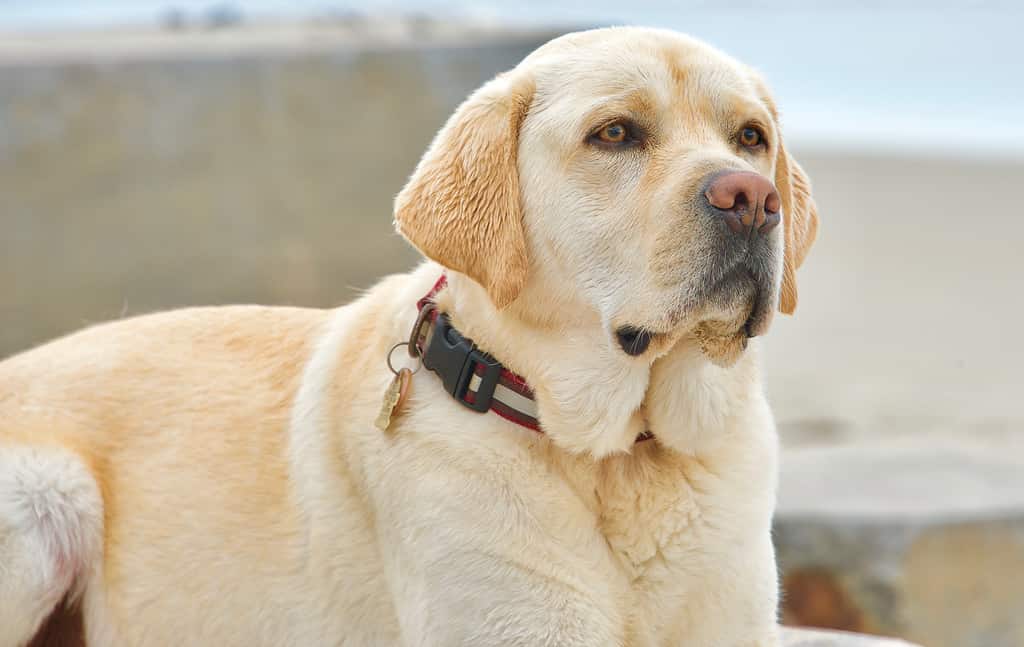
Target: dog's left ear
461	207
799	213
799	221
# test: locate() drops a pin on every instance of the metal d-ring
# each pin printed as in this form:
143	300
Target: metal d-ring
391	367
414	337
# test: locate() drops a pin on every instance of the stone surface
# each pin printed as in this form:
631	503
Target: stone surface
266	39
920	541
793	637
144	172
908	484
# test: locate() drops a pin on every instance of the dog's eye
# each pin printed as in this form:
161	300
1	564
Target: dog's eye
617	134
751	137
614	133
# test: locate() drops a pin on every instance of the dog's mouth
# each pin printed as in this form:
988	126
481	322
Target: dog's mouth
739	307
726	312
761	310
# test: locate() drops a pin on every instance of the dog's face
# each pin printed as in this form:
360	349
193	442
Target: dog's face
633	174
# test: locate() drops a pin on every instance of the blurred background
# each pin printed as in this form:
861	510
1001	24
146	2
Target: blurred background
165	153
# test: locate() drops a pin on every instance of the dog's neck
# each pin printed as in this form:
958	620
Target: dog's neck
592	398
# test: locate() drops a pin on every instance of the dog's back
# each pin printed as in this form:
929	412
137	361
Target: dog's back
75	446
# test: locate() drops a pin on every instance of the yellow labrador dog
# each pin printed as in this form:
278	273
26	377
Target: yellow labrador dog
583	456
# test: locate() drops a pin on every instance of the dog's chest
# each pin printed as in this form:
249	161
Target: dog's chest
651	514
658	520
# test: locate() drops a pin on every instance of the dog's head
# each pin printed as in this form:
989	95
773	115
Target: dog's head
632	176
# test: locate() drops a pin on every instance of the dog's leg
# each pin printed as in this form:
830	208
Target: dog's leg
748	594
504	556
491	601
51	529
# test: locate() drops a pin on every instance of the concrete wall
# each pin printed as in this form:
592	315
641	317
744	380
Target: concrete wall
130	183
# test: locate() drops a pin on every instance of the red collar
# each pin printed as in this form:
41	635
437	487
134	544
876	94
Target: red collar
470	375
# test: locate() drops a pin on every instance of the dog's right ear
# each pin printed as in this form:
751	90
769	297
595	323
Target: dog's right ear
461	207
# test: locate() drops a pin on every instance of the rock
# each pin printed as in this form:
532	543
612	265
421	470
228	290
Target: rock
793	637
920	541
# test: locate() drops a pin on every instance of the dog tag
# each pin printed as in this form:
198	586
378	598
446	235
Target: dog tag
394	398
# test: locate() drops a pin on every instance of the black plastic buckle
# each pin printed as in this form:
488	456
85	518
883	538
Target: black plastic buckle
455	359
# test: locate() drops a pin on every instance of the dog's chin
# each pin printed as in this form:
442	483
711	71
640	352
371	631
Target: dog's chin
721	331
730	312
742	311
722	342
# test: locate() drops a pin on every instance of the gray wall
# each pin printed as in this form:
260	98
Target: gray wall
133	185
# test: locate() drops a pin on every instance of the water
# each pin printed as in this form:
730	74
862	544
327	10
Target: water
908	76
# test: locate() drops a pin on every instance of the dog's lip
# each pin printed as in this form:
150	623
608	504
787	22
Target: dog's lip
634	340
761	310
753	327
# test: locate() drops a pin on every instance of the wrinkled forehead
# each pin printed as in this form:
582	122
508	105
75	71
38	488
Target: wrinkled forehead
642	71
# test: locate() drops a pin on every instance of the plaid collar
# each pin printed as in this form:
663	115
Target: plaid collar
472	376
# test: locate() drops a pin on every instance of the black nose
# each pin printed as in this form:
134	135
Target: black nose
747	201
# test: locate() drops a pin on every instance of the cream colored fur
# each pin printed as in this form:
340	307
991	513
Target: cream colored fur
51	520
214	477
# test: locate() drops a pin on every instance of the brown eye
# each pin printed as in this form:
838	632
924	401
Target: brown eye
751	137
622	134
613	133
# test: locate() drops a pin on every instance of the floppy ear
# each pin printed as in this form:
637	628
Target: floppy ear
461	207
799	221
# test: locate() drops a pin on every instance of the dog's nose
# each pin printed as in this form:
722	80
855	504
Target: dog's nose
746	201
